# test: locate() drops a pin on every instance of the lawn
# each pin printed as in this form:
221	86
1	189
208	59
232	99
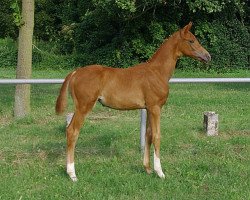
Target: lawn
108	159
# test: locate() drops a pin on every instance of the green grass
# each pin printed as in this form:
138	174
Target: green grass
108	160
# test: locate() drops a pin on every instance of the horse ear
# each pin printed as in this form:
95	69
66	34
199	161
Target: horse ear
188	27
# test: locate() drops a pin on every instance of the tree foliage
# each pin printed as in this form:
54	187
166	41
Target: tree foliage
125	32
7	26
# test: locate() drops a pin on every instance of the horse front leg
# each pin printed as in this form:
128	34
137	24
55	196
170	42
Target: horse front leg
154	119
148	142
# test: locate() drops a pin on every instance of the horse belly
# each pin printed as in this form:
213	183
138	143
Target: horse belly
122	100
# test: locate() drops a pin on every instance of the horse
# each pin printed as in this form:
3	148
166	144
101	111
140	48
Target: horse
143	86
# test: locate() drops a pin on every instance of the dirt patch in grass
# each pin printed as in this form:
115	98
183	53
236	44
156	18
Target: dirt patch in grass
5	120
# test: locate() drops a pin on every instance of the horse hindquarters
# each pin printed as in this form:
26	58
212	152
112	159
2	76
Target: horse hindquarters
85	94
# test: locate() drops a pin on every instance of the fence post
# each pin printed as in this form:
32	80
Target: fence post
69	117
211	123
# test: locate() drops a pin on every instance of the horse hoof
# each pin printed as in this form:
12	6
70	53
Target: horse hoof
160	174
148	170
74	178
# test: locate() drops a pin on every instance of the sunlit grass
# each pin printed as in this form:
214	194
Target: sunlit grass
108	160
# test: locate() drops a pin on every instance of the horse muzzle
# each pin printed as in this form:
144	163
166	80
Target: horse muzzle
203	57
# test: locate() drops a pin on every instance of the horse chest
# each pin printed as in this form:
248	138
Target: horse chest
157	93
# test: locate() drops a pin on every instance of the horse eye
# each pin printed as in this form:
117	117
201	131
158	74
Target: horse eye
191	41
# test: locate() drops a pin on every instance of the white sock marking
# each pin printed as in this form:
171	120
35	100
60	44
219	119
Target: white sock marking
71	171
157	166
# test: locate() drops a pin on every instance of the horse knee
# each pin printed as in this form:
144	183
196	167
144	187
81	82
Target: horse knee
72	135
156	139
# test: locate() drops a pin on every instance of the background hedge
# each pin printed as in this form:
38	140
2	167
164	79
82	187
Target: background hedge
120	33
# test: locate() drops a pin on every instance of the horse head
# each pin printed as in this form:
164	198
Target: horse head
189	46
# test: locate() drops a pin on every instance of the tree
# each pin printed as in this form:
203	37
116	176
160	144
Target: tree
24	62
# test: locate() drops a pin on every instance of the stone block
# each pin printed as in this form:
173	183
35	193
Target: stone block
211	123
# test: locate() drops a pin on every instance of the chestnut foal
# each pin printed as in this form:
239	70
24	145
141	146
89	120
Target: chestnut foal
142	86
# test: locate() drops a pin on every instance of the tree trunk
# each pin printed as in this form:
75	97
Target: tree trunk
24	63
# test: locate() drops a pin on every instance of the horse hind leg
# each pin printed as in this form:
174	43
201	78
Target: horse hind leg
72	133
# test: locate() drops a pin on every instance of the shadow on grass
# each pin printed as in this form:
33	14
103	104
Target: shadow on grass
138	169
61	130
62	172
87	146
98	145
7	96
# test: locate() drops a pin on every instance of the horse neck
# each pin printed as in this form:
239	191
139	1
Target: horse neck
165	58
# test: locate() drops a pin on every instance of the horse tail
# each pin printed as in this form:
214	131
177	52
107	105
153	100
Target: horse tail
61	101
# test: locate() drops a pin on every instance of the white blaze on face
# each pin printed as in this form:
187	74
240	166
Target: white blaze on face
157	166
71	171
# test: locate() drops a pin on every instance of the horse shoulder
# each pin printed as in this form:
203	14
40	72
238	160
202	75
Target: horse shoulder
156	88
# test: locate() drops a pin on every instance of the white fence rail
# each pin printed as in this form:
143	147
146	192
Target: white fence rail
143	111
210	80
172	80
31	81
